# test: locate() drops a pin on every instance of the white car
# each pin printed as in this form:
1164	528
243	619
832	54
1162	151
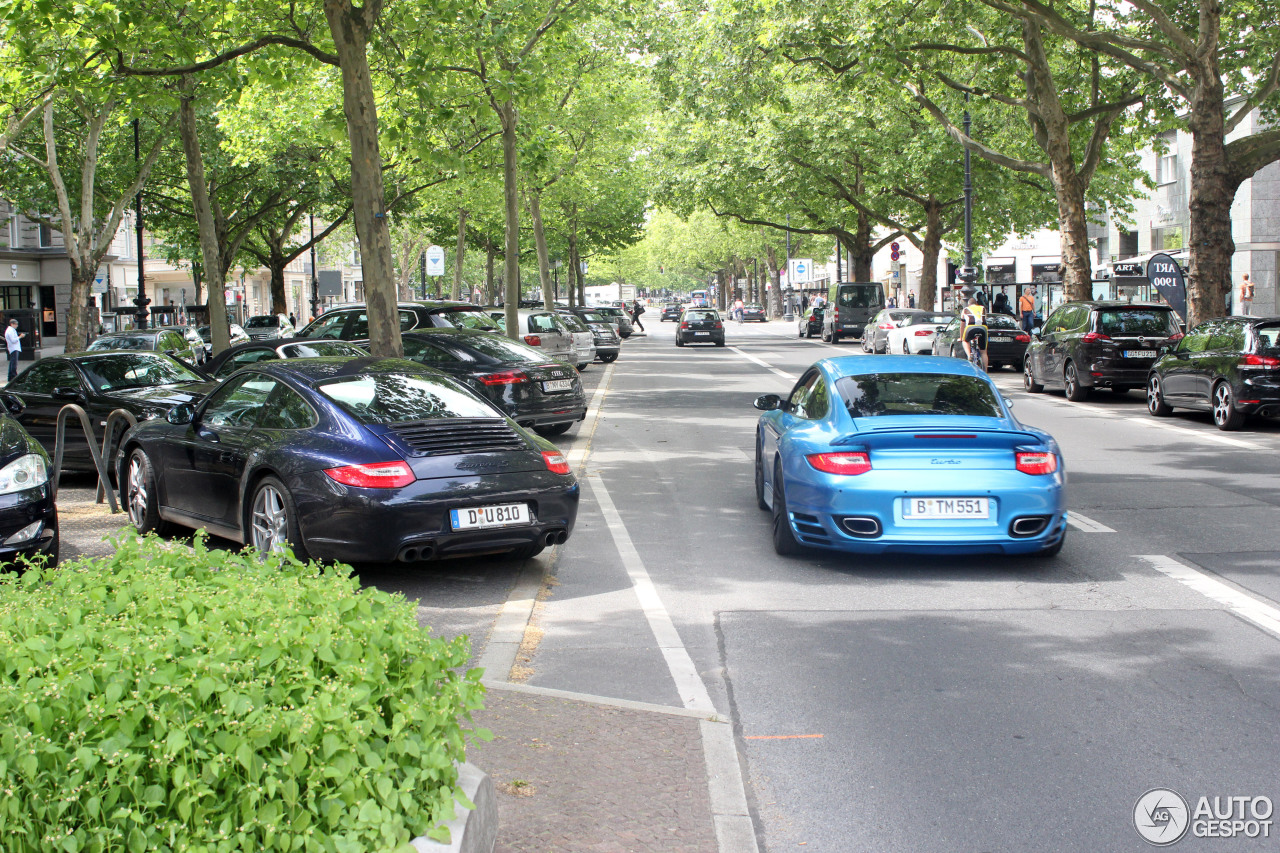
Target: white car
917	334
584	342
543	329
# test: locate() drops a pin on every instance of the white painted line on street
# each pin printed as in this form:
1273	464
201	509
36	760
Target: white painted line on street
578	456
693	693
1085	524
764	364
735	832
1245	606
610	701
1196	433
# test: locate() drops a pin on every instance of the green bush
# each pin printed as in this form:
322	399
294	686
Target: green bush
181	699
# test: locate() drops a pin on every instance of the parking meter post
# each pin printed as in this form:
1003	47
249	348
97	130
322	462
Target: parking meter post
788	314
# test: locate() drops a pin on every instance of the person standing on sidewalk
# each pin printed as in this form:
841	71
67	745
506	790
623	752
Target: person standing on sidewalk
13	340
636	310
1246	296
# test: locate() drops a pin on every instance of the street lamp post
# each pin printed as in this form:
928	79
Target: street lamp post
315	281
785	296
141	301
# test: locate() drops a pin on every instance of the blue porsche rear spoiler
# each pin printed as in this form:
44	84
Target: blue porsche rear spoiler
907	438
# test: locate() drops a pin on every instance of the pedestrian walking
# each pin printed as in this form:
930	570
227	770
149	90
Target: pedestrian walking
1246	296
911	300
636	310
893	302
1027	308
13	340
293	321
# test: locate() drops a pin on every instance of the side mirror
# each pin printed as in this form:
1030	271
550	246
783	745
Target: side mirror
172	352
181	414
1007	402
66	393
12	404
768	402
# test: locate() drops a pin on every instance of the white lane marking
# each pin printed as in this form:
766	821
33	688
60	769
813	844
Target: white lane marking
1245	606
1152	422
693	693
578	456
735	833
764	364
1085	524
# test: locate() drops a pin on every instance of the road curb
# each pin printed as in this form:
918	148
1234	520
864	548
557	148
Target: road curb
472	830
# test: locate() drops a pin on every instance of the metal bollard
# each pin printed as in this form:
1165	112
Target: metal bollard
104	481
109	445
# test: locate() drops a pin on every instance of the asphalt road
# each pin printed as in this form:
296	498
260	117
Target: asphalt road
908	704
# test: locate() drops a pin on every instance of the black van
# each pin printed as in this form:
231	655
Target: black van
850	306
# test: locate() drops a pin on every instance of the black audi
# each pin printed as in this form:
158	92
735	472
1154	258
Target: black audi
1006	342
358	460
1229	367
531	389
145	384
28	515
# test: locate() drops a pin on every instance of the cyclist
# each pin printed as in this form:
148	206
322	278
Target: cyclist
973	329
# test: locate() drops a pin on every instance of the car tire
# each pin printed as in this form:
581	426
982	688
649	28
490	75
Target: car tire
1052	550
138	494
760	502
784	541
835	337
1225	414
583	366
826	338
1155	399
679	342
609	359
719	343
1029	378
906	347
271	520
1075	392
552	430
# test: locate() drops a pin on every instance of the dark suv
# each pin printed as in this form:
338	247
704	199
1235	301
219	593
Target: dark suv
1086	345
351	322
1229	366
849	308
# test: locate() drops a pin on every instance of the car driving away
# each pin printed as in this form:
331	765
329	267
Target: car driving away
889	454
368	460
700	326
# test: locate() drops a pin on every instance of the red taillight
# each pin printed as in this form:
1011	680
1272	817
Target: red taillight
1094	337
1264	361
684	325
719	325
840	463
556	463
380	475
503	377
1176	336
1023	339
924	333
1037	463
533	340
885	326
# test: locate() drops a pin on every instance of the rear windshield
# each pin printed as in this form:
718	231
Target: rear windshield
500	349
700	315
917	394
390	398
1268	336
267	321
1137	321
572	321
468	318
860	296
1000	321
129	342
320	349
930	319
592	317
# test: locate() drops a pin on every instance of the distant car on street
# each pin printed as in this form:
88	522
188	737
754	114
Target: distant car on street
264	327
671	312
351	322
754	311
1006	342
811	322
163	340
608	344
875	339
850	306
619	318
916	334
700	326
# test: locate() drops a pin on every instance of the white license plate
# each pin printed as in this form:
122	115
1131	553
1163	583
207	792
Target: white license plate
1000	340
1139	353
482	517
702	333
557	385
945	508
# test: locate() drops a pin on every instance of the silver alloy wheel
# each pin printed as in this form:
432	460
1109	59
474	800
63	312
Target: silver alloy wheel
269	520
1153	395
906	349
1069	380
137	492
1221	404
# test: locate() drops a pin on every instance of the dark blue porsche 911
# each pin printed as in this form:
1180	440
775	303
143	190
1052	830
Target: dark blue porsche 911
358	460
903	454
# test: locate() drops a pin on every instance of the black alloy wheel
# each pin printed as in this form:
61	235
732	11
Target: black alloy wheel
140	497
609	359
1225	413
1155	399
1076	392
784	541
1029	378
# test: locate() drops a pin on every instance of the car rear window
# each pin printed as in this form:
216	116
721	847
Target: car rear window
1268	336
127	342
390	398
878	394
468	318
700	315
320	349
1137	321
860	296
1001	321
930	319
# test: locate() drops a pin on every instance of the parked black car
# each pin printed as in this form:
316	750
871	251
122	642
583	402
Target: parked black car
351	322
811	323
608	344
1006	342
145	384
28	514
850	305
700	326
1087	345
229	361
671	312
875	338
531	389
1229	366
754	311
358	460
162	340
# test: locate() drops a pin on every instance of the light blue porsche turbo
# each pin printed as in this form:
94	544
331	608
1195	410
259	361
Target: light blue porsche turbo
904	454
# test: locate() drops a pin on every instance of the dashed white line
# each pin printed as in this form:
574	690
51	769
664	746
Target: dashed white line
766	365
1245	606
1085	524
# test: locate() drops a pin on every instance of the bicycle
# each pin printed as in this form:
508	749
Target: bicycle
977	347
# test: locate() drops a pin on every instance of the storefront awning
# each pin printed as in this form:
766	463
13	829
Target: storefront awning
999	264
1048	261
1137	267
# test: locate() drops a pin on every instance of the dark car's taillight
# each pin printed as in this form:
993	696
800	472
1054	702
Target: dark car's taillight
1023	338
1095	337
380	475
1264	361
503	377
556	462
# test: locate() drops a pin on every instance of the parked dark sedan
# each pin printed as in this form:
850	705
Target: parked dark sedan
671	312
351	322
228	362
754	311
28	514
531	389
700	326
143	383
1087	345
162	340
1006	342
811	323
1229	366
608	343
358	460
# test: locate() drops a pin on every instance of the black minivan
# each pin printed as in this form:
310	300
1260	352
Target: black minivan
1087	345
850	306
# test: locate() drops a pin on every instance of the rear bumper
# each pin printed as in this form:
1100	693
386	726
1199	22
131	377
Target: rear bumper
694	338
607	349
1103	375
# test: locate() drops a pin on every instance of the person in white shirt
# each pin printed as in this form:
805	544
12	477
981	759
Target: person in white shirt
13	339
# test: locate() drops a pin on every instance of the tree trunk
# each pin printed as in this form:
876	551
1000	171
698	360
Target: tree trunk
279	303
1213	188
78	312
773	303
350	26
574	269
489	296
931	249
219	328
540	244
510	194
861	253
458	254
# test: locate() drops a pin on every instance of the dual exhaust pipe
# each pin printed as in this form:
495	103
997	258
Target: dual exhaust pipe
421	551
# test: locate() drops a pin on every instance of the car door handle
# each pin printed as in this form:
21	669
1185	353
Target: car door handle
226	457
207	434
